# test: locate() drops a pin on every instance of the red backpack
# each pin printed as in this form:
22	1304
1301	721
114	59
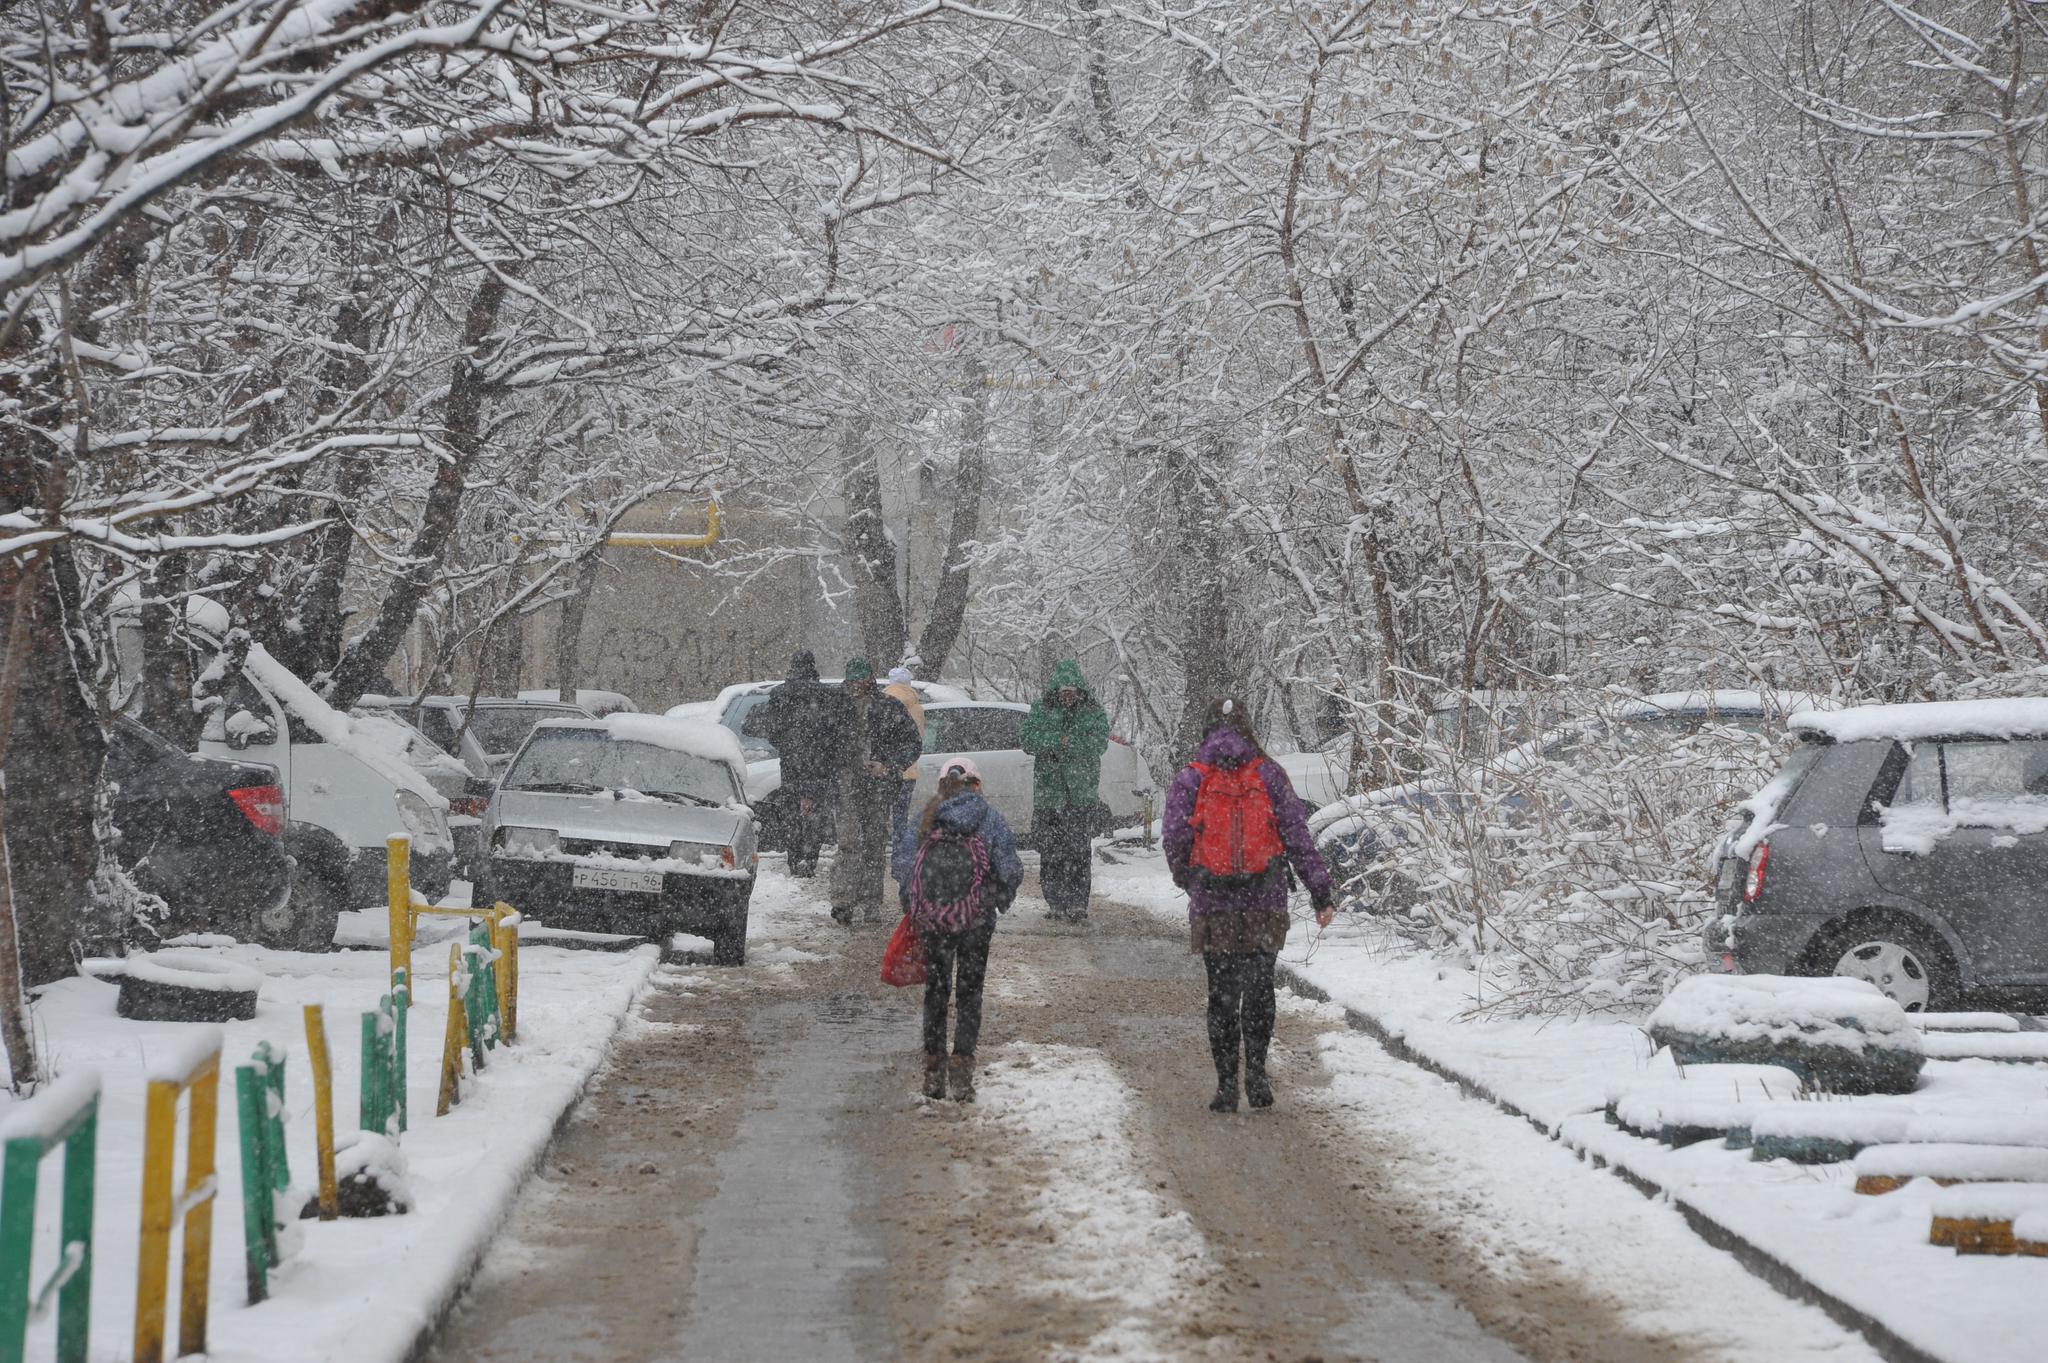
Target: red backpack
1235	835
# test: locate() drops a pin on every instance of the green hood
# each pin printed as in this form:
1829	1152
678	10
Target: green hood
1066	672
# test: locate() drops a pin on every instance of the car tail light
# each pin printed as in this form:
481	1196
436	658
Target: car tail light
471	805
728	858
1753	888
262	806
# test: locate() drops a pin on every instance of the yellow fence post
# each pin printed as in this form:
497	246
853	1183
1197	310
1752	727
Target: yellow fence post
398	889
323	1110
455	1039
505	938
200	1077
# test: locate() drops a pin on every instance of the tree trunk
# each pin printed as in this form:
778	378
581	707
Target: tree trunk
569	629
362	667
949	605
166	681
1206	670
877	603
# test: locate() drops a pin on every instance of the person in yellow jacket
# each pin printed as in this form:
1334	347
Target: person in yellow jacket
899	686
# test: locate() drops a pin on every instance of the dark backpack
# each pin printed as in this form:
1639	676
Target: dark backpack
946	883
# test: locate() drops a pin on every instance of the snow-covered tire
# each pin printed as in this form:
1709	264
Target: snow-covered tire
186	991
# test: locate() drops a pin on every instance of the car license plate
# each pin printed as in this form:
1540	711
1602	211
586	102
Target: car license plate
606	878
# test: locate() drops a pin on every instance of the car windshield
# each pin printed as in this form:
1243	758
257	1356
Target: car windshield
502	728
591	761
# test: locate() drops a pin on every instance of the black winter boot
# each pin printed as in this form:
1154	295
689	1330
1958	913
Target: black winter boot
935	1076
961	1076
1258	1090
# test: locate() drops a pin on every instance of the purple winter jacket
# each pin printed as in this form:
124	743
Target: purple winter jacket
1225	747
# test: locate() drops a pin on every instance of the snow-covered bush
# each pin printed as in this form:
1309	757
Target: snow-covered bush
1576	866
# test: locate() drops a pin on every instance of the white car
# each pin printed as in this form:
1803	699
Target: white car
630	823
764	765
990	732
345	791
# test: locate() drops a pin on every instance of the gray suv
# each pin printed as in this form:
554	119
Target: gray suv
1906	845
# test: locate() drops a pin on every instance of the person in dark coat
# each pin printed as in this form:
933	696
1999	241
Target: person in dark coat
808	723
882	740
956	952
1066	733
1239	923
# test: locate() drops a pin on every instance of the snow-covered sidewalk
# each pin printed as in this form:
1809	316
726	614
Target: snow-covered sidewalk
360	1290
1800	1226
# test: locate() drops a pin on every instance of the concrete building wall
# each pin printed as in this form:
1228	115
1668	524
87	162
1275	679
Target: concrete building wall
665	632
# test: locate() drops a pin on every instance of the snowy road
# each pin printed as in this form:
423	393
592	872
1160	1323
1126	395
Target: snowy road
754	1179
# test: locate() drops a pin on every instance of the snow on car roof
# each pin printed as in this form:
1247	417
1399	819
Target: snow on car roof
1929	719
974	705
695	737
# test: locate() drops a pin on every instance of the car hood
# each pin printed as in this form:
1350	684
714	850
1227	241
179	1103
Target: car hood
605	819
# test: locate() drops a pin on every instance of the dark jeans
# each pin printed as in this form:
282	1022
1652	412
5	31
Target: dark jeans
1240	1006
1066	858
945	952
806	830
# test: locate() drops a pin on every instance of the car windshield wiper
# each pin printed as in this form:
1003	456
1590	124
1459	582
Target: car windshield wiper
681	796
561	788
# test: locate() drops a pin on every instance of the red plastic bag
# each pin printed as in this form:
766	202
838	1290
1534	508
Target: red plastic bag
903	961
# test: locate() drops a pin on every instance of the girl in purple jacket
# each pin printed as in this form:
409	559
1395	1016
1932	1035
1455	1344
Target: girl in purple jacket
1239	922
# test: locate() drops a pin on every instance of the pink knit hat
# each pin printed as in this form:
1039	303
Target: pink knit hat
965	766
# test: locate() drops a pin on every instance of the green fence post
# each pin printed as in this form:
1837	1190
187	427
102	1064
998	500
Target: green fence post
17	1243
272	1066
74	1298
259	1204
67	1114
401	999
480	997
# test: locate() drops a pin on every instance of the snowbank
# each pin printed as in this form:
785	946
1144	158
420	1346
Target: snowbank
1831	1011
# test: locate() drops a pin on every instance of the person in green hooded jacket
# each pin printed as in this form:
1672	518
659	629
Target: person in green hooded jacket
1067	733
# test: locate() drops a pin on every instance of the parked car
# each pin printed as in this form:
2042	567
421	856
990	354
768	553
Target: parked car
495	727
466	794
1906	845
344	795
630	823
599	703
205	835
732	707
992	732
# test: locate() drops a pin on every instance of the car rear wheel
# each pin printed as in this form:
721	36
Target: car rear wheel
309	916
729	947
1900	958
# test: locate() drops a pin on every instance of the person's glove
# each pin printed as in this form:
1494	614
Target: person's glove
1326	909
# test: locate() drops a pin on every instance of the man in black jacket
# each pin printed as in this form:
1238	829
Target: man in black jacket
809	723
882	740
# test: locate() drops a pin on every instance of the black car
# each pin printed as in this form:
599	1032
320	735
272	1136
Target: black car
204	834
